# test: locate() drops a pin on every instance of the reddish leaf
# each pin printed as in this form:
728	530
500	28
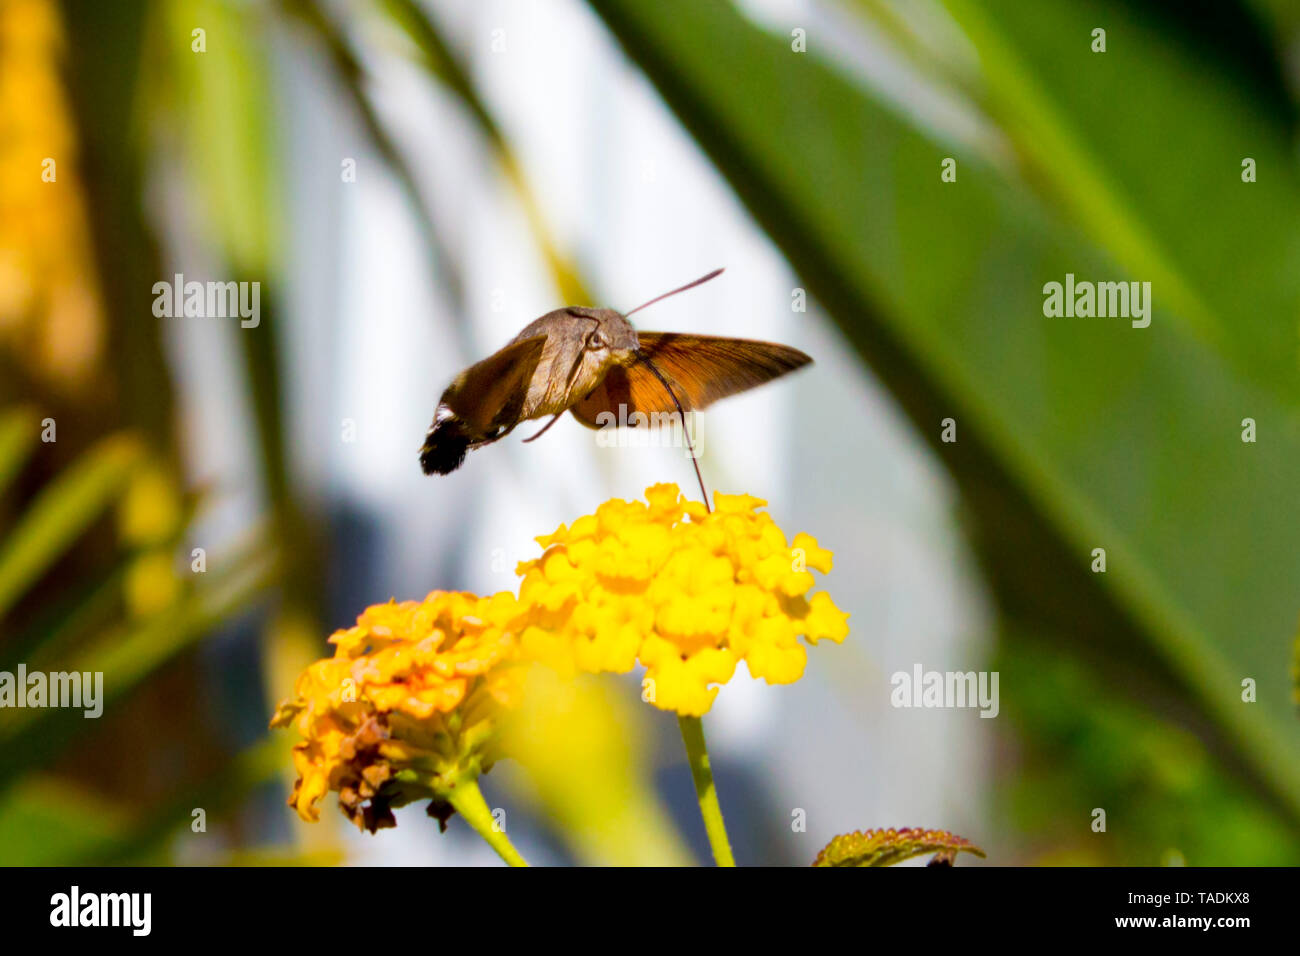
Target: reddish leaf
887	847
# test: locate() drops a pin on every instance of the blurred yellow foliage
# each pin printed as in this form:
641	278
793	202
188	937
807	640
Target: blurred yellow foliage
581	746
50	310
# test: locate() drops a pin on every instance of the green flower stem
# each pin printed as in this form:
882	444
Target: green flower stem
705	792
468	800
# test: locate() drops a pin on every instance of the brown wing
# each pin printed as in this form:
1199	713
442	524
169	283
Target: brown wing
701	369
489	394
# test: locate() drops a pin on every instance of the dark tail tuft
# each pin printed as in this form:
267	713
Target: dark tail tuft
444	447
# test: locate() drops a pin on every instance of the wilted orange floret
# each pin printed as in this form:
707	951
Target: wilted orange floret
684	592
406	707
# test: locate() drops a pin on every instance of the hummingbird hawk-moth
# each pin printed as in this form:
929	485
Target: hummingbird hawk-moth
588	362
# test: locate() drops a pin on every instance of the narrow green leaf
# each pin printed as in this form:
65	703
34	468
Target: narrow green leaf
221	106
61	512
92	601
18	430
33	737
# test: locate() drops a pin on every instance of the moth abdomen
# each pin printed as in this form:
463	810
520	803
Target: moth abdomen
446	445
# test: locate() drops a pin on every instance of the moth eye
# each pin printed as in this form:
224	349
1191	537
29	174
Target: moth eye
597	341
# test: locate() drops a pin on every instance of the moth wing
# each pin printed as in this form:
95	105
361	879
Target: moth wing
700	368
635	388
705	368
490	394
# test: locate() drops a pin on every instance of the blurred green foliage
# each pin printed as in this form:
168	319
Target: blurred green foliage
1083	746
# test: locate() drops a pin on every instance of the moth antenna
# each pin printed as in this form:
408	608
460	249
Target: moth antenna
690	285
681	414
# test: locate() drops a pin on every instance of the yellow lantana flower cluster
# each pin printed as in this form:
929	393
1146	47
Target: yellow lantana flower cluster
414	698
685	592
406	708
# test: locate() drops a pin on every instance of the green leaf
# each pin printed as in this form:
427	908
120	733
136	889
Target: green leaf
43	819
887	847
219	793
1073	434
61	512
222	103
1231	280
1295	669
126	657
18	431
1160	786
94	599
46	821
221	108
